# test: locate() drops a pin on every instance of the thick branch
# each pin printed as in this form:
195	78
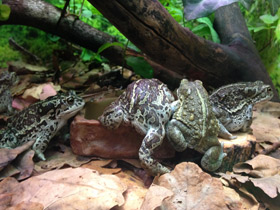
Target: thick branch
44	16
151	28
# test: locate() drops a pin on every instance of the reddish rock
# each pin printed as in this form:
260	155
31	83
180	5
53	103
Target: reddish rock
90	138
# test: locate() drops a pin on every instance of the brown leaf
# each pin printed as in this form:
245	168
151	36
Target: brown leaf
248	200
230	176
260	166
192	188
98	166
8	185
270	185
9	171
25	164
266	122
155	197
135	193
58	159
79	188
27	205
5	200
41	91
233	200
8	155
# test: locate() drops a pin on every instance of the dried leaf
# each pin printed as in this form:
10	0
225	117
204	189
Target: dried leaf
25	164
8	185
9	171
266	122
192	188
41	91
270	185
248	200
233	200
98	166
155	197
5	200
48	90
27	205
260	166
79	188
58	159
8	155
135	193
230	176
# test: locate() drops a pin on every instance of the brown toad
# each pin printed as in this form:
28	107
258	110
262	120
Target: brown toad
146	105
232	105
194	125
7	79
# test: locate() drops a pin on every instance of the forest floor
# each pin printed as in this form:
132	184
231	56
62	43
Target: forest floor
71	181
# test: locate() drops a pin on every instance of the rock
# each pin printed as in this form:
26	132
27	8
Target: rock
90	138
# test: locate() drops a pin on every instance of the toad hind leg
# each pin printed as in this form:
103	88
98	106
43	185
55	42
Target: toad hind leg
213	158
175	136
152	140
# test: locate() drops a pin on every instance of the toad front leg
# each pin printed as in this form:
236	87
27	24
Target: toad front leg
40	146
224	133
152	140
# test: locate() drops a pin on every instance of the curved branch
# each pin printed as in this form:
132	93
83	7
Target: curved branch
152	29
44	16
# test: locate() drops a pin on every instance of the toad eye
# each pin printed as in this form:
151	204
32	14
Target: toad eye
70	101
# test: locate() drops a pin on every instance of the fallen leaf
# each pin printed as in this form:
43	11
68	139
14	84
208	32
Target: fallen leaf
8	185
269	185
233	200
20	103
41	91
248	199
155	197
135	193
8	155
59	159
230	176
80	188
98	166
24	163
266	122
260	166
27	205
192	188
5	200
9	171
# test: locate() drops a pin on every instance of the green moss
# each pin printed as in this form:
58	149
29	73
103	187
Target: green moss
7	54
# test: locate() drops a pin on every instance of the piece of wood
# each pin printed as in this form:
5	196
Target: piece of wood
238	150
149	26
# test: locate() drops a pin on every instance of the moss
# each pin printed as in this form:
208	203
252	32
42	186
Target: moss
7	54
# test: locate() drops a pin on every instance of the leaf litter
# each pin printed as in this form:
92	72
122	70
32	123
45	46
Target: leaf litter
70	181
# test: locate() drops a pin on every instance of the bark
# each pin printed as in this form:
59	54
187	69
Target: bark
152	29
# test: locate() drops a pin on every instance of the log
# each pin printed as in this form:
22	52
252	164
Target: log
238	150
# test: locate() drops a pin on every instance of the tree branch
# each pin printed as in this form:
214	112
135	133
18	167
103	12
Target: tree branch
44	16
152	29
